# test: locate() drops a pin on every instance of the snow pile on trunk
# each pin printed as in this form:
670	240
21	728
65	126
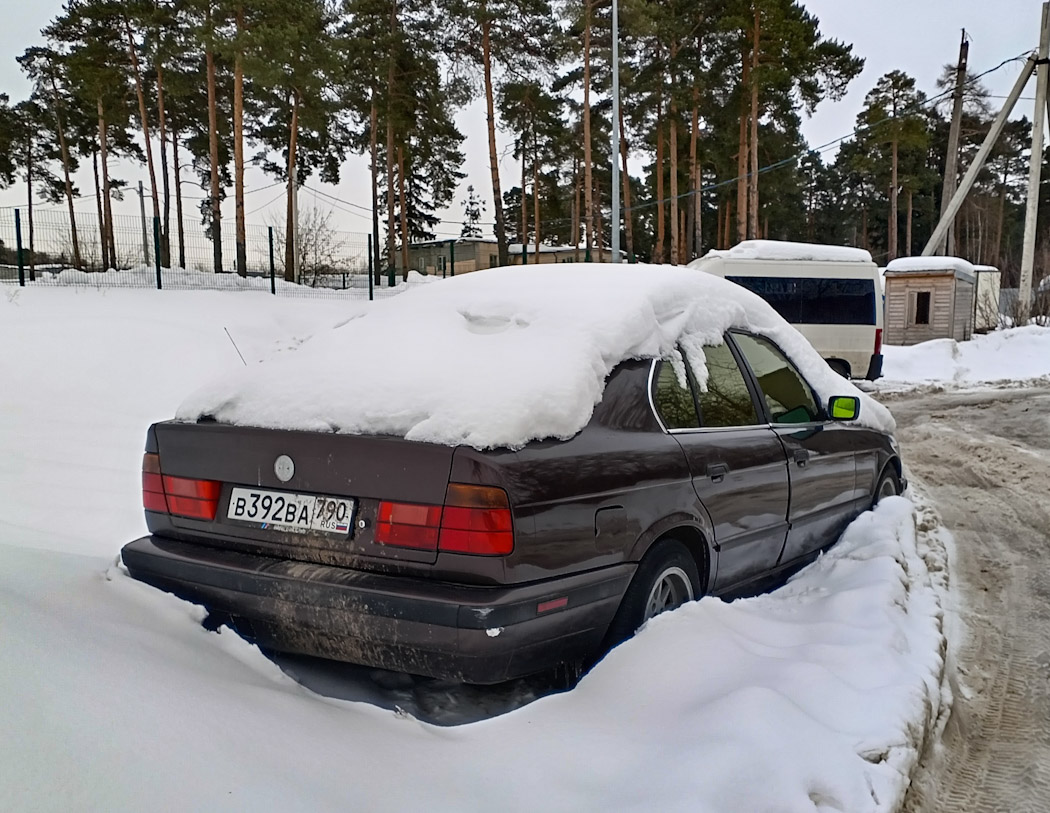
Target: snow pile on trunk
500	357
787	251
1017	354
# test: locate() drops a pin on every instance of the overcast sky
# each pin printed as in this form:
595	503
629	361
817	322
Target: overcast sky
916	36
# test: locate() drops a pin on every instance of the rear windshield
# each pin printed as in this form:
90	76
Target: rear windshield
816	301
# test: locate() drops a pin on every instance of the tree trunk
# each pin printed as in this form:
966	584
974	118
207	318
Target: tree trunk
404	210
676	249
490	121
29	205
213	152
864	227
576	194
628	226
891	231
238	147
535	199
996	252
143	116
907	226
101	218
64	147
524	199
178	198
165	222
391	242
694	177
658	252
588	177
291	227
742	154
107	209
752	228
373	149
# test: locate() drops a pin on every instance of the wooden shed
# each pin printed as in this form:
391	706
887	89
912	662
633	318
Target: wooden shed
929	298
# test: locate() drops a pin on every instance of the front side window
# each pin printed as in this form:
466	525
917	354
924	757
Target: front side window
725	399
787	395
674	402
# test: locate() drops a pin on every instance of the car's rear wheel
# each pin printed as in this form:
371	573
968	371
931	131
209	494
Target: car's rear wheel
889	485
666	578
840	367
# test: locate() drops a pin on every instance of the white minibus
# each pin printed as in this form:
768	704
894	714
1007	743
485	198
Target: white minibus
831	294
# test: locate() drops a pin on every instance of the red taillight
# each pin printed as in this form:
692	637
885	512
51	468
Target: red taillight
408	525
878	340
181	496
474	519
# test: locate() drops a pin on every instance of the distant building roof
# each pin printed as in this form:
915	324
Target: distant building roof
961	268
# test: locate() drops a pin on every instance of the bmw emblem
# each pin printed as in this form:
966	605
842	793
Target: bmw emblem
284	468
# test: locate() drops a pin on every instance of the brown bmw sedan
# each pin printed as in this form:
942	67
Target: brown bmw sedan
483	566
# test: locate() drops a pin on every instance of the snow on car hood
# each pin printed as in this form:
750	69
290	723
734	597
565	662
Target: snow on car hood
500	357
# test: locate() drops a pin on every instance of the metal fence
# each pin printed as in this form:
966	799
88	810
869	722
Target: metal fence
38	253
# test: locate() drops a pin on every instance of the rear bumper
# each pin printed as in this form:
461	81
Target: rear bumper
473	634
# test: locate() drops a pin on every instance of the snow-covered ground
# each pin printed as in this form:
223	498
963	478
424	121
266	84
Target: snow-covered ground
815	697
1014	355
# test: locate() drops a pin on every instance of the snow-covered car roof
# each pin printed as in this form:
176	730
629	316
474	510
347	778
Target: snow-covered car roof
501	357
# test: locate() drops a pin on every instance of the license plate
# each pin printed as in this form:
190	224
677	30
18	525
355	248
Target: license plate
295	512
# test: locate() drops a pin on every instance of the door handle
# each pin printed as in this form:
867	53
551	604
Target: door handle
717	472
802	457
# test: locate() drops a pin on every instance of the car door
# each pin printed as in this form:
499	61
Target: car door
737	463
820	453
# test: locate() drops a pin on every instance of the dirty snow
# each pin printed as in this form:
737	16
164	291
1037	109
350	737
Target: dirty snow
815	697
784	250
499	357
1016	354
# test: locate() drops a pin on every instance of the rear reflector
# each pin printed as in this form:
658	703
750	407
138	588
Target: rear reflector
180	496
474	520
553	604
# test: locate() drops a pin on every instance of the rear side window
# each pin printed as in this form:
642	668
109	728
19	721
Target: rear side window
787	395
674	403
814	300
726	400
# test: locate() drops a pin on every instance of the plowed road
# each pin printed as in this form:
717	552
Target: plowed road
984	459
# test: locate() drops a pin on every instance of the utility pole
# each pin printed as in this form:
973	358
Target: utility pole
1034	169
951	165
615	219
145	236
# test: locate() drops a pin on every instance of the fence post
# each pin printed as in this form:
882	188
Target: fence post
452	257
524	253
273	272
371	269
18	248
156	248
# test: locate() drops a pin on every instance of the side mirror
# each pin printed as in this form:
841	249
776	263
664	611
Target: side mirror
843	408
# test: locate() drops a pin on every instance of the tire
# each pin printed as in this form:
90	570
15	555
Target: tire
889	485
666	578
840	367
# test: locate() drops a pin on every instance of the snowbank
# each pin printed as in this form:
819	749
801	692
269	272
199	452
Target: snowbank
500	357
784	250
1017	354
816	696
